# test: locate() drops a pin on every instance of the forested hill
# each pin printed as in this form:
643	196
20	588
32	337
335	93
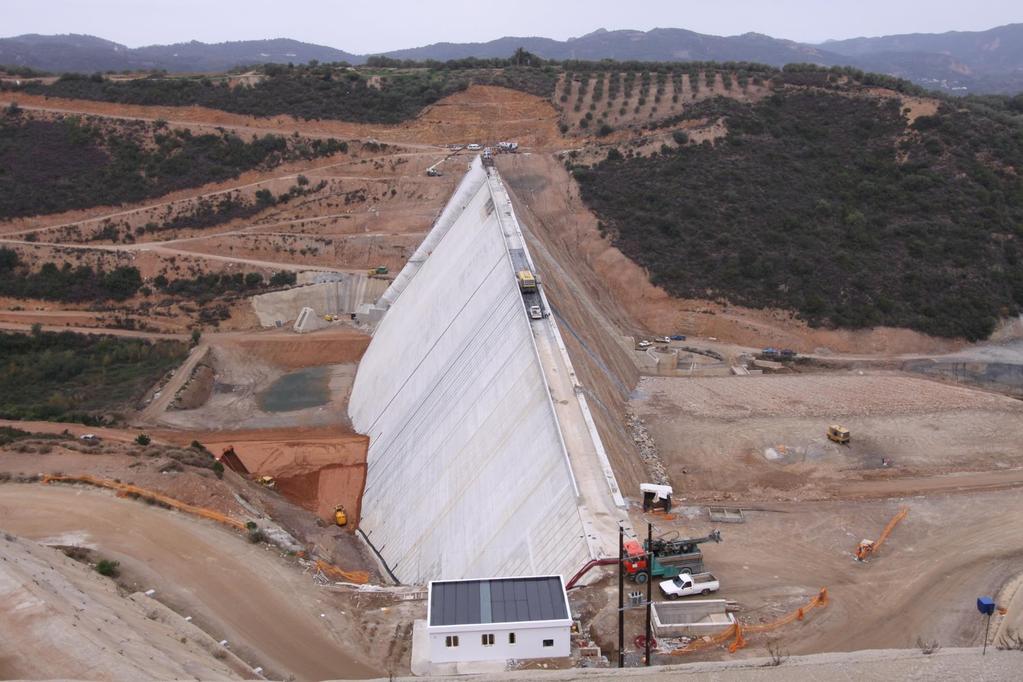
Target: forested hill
832	204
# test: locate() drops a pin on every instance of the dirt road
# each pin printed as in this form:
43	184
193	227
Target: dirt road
159	403
269	612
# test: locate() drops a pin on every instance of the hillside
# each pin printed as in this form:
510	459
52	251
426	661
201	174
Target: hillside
54	165
962	62
832	204
321	91
87	54
976	61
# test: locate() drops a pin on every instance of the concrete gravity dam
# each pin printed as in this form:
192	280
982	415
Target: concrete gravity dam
484	459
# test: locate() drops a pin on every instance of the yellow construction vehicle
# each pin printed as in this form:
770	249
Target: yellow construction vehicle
340	516
268	481
839	434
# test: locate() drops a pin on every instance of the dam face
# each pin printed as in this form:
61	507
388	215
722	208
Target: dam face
468	474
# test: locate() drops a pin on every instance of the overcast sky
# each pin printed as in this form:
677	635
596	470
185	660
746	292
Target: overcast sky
381	25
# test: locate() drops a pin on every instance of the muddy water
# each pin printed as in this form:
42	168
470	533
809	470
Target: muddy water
309	387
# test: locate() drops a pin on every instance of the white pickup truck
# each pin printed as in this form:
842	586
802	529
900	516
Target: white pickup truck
687	584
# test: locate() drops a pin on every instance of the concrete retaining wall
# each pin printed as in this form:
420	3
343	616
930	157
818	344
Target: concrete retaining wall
694	618
467	473
339	297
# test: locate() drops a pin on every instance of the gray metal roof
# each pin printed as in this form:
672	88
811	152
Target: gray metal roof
501	600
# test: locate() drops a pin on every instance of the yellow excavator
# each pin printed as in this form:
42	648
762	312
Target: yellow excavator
340	515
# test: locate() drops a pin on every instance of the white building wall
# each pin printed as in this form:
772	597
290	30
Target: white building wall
529	640
467	474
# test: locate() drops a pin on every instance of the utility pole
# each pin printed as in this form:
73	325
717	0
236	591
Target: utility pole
621	596
649	582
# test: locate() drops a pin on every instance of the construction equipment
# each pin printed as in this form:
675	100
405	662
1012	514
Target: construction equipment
866	548
668	558
379	270
340	516
839	434
527	281
267	481
656	496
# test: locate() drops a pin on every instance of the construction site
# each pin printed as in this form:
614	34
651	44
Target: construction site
466	381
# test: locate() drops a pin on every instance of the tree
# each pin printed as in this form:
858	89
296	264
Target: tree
143	439
196	336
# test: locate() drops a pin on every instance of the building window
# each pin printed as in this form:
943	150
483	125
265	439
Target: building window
451	640
548	642
488	640
511	637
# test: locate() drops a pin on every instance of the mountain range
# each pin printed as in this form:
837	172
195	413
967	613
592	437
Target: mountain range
959	61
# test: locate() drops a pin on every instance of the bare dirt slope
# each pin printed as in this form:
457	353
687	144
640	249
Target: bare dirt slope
82	618
201	570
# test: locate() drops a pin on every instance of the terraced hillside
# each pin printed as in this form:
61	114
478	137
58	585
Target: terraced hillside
855	207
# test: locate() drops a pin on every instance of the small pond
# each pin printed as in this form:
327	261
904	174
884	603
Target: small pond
307	387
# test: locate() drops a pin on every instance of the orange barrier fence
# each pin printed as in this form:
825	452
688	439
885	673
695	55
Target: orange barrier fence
737	631
332	571
125	489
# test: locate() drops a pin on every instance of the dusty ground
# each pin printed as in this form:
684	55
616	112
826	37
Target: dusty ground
297	627
922	583
45	596
763	437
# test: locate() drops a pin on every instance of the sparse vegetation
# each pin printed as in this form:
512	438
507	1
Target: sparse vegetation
385	91
78	162
65	283
78	377
143	439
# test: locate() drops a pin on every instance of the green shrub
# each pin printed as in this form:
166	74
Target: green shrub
110	569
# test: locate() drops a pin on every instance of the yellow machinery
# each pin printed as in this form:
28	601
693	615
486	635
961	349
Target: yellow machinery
268	481
527	281
837	433
868	547
340	516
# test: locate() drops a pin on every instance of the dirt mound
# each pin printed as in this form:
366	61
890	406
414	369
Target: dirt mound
316	468
293	351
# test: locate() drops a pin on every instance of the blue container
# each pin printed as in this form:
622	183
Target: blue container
986	605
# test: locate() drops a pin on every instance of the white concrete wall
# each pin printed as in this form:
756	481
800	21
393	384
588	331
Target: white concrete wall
339	297
467	189
528	642
467	473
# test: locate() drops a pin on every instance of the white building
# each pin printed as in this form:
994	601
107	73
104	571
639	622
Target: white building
498	619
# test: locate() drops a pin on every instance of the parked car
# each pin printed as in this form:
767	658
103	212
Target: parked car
473	147
535	312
